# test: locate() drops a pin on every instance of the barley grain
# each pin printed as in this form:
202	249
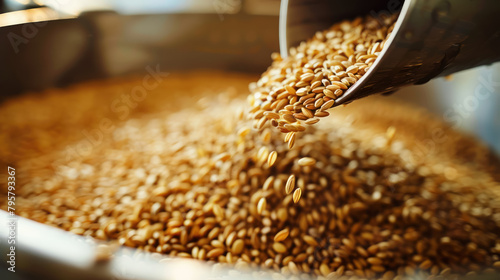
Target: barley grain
237	247
306	112
296	195
214	253
310	240
281	235
279	248
290	184
261	206
327	105
307	161
288	118
272	158
271	115
312	121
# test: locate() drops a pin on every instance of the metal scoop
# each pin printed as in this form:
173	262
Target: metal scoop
432	38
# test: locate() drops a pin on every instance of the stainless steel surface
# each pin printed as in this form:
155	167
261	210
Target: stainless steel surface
432	38
94	45
45	252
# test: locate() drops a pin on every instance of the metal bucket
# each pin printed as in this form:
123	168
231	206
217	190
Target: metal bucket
431	38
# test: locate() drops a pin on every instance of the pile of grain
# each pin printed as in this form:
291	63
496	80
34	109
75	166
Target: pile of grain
301	88
197	183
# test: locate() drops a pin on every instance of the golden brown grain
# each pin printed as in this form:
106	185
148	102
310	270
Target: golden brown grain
281	235
290	184
327	105
391	131
261	206
237	247
319	70
291	141
296	195
271	115
215	253
311	121
306	161
324	269
272	158
310	240
268	183
280	248
187	183
218	211
288	135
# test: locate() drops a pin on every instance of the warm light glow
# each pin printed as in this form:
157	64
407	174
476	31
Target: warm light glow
76	7
31	15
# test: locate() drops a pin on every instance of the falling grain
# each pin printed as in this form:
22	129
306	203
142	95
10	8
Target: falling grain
307	161
296	195
290	184
271	159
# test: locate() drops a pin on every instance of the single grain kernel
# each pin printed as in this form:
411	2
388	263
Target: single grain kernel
214	253
237	247
306	161
280	248
290	184
281	235
296	195
261	205
272	158
310	240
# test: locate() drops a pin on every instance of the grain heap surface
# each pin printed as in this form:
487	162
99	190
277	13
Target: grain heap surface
201	183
